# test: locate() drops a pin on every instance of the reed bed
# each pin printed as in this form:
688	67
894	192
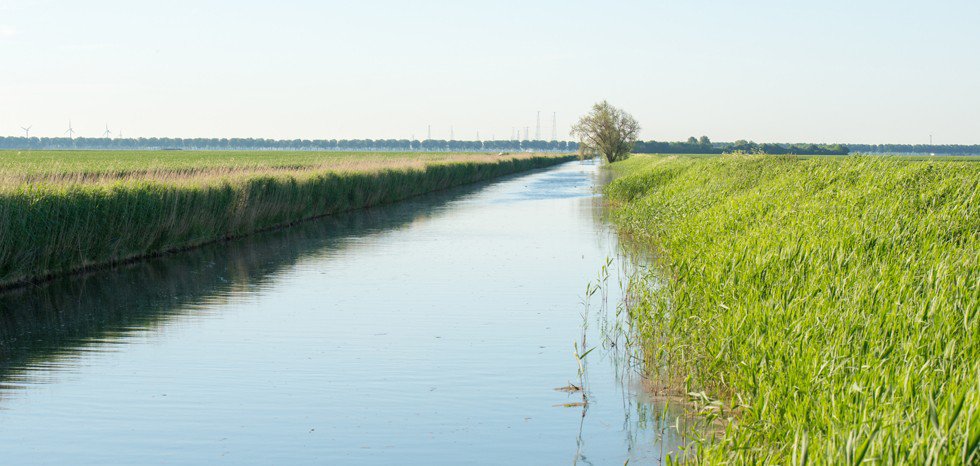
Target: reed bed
62	212
825	309
59	167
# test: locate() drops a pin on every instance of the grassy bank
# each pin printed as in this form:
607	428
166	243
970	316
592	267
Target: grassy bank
828	305
67	211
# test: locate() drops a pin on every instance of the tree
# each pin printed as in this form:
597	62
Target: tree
704	141
692	140
606	131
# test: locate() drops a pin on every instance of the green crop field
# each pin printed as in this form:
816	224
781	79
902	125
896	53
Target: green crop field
824	309
65	211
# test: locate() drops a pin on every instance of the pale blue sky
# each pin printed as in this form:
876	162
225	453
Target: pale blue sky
827	71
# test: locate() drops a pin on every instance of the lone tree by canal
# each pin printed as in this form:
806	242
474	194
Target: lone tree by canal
606	131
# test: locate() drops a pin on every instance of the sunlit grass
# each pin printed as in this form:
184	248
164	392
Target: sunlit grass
66	211
61	167
830	304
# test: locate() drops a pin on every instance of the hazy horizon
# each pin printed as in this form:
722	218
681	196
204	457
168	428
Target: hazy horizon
874	72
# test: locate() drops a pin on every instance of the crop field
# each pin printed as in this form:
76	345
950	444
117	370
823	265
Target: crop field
824	310
65	211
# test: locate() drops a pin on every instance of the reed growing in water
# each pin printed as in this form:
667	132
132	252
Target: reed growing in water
828	307
85	210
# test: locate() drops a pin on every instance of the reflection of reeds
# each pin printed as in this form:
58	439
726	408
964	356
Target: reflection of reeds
83	215
42	325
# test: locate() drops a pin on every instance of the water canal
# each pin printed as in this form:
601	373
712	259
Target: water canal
434	331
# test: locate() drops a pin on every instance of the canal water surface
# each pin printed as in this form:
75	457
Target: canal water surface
434	331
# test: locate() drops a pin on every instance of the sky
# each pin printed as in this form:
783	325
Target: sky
868	71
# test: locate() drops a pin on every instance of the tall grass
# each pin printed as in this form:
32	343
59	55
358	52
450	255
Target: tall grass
88	214
830	304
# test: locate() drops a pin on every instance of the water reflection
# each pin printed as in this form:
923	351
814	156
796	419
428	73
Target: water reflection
52	324
608	301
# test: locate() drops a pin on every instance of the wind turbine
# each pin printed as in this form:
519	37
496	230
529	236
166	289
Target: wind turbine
27	131
70	131
107	133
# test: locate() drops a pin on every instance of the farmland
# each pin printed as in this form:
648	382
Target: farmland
824	310
69	211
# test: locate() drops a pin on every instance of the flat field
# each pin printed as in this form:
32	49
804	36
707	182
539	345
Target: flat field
825	309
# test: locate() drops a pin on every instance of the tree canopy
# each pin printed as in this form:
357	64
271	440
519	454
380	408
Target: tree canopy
606	131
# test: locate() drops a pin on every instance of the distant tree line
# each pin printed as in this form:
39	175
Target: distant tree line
917	149
693	145
703	145
797	149
284	144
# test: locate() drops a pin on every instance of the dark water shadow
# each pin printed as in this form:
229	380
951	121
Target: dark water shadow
54	323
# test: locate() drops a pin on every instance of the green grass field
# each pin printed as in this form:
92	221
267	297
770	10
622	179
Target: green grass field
65	211
827	307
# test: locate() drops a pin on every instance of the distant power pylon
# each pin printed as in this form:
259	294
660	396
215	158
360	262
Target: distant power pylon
452	133
428	134
537	126
554	126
